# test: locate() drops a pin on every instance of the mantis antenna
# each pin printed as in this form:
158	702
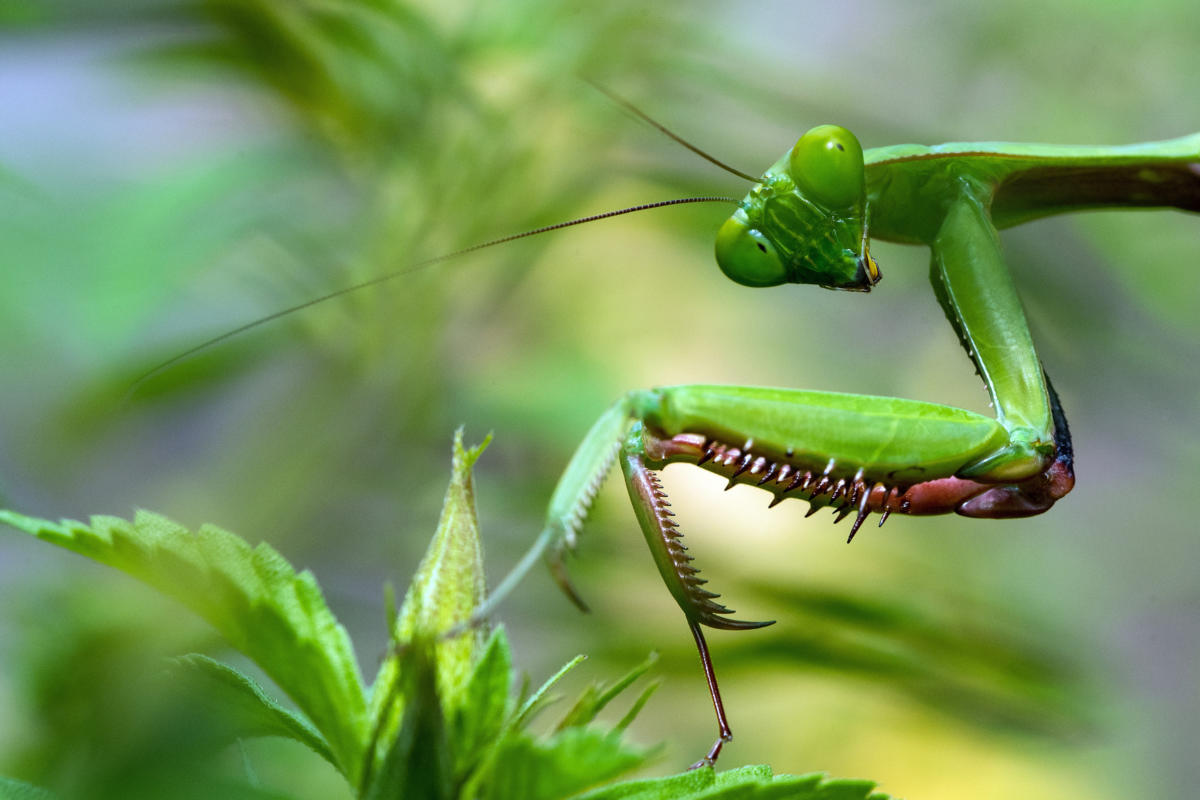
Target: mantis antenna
214	341
411	268
644	117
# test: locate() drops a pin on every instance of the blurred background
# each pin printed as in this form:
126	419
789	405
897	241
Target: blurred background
170	169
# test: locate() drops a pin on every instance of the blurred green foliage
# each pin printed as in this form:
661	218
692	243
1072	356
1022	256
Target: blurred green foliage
175	169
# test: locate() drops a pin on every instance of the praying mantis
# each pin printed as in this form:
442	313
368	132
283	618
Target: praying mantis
810	219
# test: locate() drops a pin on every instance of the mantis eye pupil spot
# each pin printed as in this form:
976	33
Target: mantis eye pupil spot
827	166
746	255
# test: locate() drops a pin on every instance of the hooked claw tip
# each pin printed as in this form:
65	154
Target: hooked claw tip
558	570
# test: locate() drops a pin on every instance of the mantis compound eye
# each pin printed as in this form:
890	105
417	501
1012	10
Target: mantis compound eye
746	256
827	165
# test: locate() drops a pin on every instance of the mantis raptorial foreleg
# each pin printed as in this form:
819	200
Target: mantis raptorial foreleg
853	453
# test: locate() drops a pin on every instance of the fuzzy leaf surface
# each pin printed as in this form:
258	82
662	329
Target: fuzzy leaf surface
745	783
449	583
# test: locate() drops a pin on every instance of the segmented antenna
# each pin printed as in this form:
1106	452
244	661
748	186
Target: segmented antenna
411	268
644	117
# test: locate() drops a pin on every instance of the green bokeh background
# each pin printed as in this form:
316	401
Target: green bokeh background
169	170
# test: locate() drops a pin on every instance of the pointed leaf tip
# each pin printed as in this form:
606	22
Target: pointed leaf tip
449	583
464	458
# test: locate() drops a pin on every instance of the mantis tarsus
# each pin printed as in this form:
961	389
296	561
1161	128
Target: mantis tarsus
809	219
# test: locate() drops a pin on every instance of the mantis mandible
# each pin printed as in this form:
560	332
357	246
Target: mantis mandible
810	219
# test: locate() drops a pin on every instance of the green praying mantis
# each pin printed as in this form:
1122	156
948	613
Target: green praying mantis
810	219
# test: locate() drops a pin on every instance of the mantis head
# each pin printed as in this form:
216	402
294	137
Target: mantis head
805	220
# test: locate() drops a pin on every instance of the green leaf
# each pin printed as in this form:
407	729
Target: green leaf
744	783
568	762
252	596
11	789
685	784
476	726
595	697
539	699
418	761
572	760
244	704
637	706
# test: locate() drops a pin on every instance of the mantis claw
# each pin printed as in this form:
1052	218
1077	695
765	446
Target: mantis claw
864	511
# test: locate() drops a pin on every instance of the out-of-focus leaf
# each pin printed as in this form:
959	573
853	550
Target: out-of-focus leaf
237	699
11	789
145	240
598	695
534	703
926	651
255	600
